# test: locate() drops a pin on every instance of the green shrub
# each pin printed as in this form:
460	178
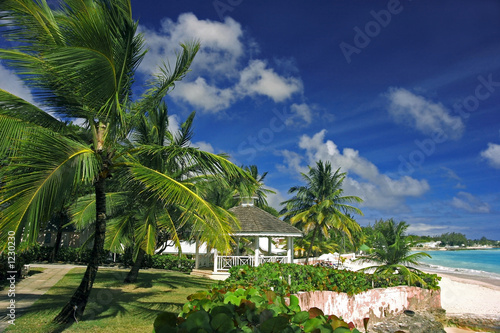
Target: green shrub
247	310
292	278
161	261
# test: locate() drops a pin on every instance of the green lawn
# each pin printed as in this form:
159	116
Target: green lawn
113	306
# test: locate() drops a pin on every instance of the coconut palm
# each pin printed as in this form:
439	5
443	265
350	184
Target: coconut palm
171	153
80	60
392	251
320	205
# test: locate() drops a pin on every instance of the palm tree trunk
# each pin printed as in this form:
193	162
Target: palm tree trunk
311	246
57	244
73	310
134	271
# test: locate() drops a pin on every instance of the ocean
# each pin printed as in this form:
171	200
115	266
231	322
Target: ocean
480	263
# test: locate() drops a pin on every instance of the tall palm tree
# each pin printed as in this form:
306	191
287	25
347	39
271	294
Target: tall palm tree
392	251
170	153
80	60
320	205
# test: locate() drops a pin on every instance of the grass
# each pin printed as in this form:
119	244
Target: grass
113	306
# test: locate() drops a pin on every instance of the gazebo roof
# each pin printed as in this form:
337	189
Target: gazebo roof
257	222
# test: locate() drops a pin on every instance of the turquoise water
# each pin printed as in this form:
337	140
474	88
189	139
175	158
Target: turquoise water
475	262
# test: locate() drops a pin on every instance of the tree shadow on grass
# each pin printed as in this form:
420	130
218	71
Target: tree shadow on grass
154	292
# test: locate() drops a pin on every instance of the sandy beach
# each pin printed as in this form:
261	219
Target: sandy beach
464	295
461	295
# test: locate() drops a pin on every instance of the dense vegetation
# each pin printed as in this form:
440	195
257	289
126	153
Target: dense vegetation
291	278
247	310
457	239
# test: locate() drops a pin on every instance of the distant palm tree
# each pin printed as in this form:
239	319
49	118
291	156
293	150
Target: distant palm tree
320	205
392	251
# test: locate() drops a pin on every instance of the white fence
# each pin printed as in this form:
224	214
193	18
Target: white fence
224	263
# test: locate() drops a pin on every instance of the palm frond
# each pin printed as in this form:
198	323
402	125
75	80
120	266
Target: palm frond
51	166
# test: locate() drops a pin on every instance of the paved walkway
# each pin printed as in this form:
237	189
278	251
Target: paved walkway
30	289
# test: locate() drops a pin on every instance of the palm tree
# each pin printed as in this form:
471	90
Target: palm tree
320	205
80	60
170	153
392	251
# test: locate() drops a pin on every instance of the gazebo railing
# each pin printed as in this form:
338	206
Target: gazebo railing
278	259
224	263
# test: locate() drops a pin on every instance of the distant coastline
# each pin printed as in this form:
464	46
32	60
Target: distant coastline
453	248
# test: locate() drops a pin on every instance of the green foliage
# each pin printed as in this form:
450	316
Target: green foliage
287	279
320	205
162	261
392	252
39	253
453	239
247	310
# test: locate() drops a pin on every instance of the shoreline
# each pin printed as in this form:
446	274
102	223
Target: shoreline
469	300
449	248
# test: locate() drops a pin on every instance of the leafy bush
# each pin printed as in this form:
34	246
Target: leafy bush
291	278
247	310
161	261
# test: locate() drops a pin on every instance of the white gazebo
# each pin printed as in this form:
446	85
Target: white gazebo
257	223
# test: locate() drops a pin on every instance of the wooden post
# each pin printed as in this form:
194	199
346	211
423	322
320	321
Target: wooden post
269	253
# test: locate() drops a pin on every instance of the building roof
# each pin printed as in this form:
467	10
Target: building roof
257	222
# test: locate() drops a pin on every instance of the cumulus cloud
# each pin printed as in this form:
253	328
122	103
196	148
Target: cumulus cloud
256	78
364	179
12	83
221	44
426	116
221	73
470	203
274	200
204	146
427	229
492	155
301	114
203	96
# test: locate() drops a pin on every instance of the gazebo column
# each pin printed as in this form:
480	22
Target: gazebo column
289	250
215	260
269	253
257	251
237	245
197	254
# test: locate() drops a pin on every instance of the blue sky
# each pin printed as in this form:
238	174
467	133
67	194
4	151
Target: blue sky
402	95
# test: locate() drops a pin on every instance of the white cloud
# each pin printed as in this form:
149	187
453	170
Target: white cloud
426	116
301	114
204	96
427	229
256	78
470	203
274	200
364	179
221	73
492	155
204	146
10	82
221	45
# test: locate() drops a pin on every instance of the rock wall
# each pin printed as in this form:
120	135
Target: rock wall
375	304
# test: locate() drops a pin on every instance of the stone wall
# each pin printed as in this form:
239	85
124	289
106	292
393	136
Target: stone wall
375	304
